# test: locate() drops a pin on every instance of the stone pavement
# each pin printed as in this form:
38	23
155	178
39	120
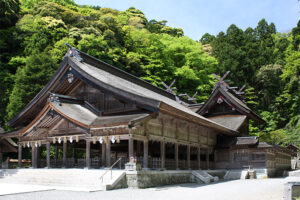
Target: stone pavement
265	189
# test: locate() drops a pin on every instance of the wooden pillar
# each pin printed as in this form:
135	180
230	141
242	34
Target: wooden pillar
163	154
103	154
64	154
1	158
38	157
207	158
176	155
33	156
199	157
87	153
145	154
108	156
48	154
19	155
99	155
188	156
130	147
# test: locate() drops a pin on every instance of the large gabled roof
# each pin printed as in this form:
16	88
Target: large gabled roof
230	97
121	84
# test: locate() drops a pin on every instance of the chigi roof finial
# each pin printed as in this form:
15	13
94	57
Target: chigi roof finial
190	98
73	53
169	87
221	80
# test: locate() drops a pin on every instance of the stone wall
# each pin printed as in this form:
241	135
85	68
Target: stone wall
145	179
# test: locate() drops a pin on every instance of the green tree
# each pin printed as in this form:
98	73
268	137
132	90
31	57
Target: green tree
9	13
29	80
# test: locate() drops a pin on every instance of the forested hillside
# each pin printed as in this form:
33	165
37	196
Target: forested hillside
33	33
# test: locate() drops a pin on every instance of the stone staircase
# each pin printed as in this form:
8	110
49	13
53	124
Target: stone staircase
66	179
204	176
235	174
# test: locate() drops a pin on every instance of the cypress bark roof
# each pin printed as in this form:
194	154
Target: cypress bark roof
238	141
233	122
78	113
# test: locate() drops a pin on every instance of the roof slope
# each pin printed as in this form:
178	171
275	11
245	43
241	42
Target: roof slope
83	116
233	122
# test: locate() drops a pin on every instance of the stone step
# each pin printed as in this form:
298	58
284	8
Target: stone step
235	174
73	178
204	176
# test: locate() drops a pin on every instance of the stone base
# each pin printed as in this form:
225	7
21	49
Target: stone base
132	166
146	179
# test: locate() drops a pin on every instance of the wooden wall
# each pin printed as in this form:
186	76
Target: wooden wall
173	129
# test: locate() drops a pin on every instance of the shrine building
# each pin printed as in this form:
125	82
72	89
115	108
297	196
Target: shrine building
94	114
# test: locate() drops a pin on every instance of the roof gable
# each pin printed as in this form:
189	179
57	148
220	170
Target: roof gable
224	95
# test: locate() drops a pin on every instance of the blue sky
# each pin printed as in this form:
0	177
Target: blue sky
197	17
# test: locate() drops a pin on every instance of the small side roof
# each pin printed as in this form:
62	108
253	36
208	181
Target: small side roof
238	141
230	97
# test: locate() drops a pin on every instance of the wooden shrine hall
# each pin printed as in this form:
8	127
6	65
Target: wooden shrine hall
92	114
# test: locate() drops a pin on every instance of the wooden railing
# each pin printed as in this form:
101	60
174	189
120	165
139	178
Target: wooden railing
110	169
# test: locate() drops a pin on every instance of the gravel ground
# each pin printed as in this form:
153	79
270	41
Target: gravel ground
265	189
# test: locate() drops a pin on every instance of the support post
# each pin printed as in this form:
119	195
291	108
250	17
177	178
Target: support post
176	156
145	155
48	154
163	154
64	154
108	157
33	156
199	157
103	154
87	154
99	155
19	155
207	158
188	156
130	147
38	156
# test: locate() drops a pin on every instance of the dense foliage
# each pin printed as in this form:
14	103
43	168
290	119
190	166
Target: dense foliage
269	64
33	33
